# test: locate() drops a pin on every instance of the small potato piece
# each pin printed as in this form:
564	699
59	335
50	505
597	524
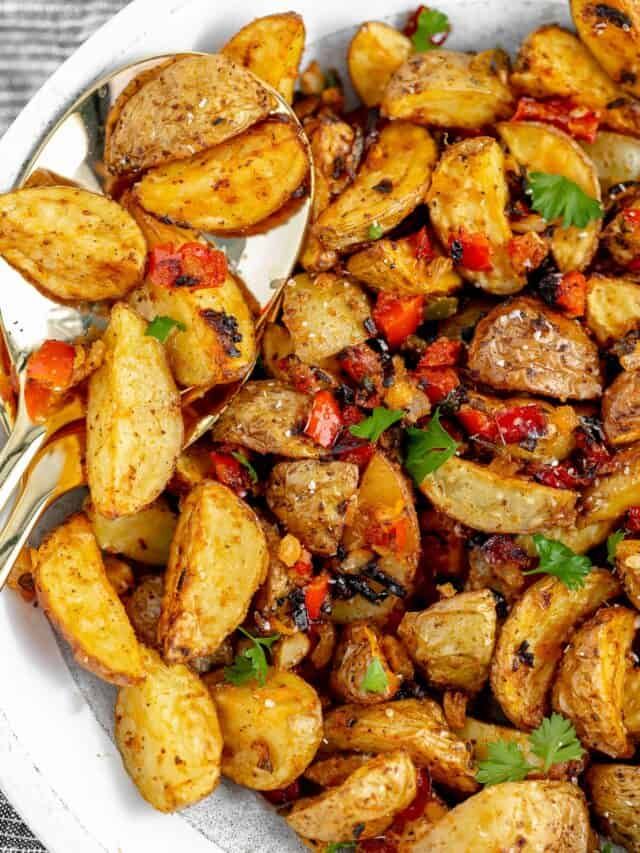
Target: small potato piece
610	496
372	795
324	315
533	638
620	237
615	156
524	346
631	703
480	498
144	606
614	791
524	816
168	735
329	772
74	591
271	48
469	192
613	307
71	243
229	188
589	686
311	499
579	538
403	158
271	732
134	421
359	646
144	536
452	641
194	103
119	574
417	726
217	562
628	568
375	53
290	650
621	408
481	734
448	89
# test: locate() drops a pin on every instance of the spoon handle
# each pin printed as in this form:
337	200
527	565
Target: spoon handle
24	441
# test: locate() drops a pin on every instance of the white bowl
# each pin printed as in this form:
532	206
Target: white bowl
58	764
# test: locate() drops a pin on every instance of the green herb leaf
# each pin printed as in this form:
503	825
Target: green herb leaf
606	847
375	678
555	741
332	79
378	421
375	231
160	328
504	763
612	544
251	664
341	847
428	449
242	459
558	560
554	196
431	22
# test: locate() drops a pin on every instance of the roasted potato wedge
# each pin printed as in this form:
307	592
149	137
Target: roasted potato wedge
532	640
589	686
614	791
579	538
416	726
615	156
144	536
448	89
524	346
469	192
628	568
543	148
536	816
271	732
271	48
217	562
311	498
134	421
631	702
194	103
375	52
452	641
232	187
74	591
610	496
168	735
119	574
359	646
620	237
621	408
71	243
480	734
332	771
403	157
613	307
144	606
369	798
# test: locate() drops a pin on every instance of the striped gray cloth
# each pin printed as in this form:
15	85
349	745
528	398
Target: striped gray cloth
35	37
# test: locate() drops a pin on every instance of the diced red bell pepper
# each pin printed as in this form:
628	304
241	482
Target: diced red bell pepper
595	452
579	122
359	454
352	415
634	265
443	352
571	294
633	519
632	216
478	423
472	251
325	419
527	251
391	534
315	596
519	422
437	382
193	265
283	795
38	399
398	317
422	248
52	364
499	549
377	845
304	566
412	21
230	472
361	362
562	476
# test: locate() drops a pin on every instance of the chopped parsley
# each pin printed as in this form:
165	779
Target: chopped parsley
428	449
558	560
378	421
555	197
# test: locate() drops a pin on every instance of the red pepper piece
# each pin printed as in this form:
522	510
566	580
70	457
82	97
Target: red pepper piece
571	294
377	845
38	399
412	21
634	265
421	244
52	364
478	423
527	251
193	265
398	317
595	452
562	476
283	795
579	122
520	422
389	534
230	472
441	353
315	596
472	251
633	519
359	454
437	382
632	216
325	420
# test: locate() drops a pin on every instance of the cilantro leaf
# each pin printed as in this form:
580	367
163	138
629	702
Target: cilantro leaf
555	741
428	449
554	196
558	560
251	664
340	847
612	544
375	231
431	23
606	847
242	459
504	763
378	421
160	328
375	678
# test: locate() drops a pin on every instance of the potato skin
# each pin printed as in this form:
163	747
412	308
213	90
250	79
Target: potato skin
271	732
614	790
217	562
628	568
613	307
144	536
616	156
311	498
375	52
168	735
359	645
612	494
452	641
533	638
621	408
144	606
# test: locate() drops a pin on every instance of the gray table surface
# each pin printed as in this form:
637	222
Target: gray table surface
36	36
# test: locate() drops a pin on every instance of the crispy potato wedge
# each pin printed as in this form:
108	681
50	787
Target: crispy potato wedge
536	816
290	650
628	568
480	734
621	408
144	606
144	536
589	686
614	791
480	498
168	735
533	638
119	574
469	192
610	496
404	157
324	315
375	52
332	771
230	188
615	156
416	726
448	89
311	498
369	798
71	243
452	641
543	148
271	48
271	732
194	103
631	702
359	646
613	307
524	346
74	591
134	421
579	538
217	562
